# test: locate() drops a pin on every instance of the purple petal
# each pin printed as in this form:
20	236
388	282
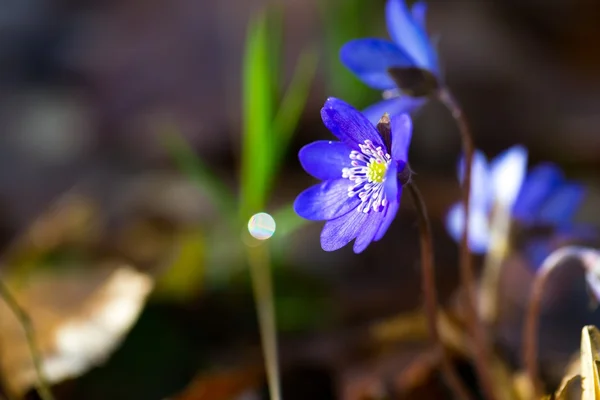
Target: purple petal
562	204
349	124
401	135
409	35
507	173
479	233
536	251
538	186
327	200
576	232
390	186
390	215
392	192
419	14
325	159
368	231
369	60
395	106
481	188
340	231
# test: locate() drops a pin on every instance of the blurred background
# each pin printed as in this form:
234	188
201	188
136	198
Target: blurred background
106	109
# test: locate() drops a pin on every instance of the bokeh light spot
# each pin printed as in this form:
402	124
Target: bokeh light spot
261	226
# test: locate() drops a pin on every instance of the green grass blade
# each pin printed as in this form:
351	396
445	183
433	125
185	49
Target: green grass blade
192	166
262	286
257	144
294	100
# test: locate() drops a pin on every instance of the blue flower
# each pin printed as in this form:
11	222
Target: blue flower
536	248
360	192
542	197
371	59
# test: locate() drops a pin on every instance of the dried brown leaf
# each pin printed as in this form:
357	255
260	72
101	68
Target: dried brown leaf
79	318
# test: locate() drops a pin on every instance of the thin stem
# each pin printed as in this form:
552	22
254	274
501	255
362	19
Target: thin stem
530	332
43	387
466	261
260	273
429	291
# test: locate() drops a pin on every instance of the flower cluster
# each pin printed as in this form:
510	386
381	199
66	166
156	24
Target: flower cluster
361	173
364	172
542	197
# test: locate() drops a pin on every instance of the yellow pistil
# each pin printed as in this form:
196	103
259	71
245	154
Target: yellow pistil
376	171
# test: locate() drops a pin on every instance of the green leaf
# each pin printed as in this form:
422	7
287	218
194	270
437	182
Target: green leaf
257	144
192	166
293	102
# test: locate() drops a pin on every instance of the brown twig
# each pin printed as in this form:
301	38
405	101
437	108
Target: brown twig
530	331
429	291
466	261
43	387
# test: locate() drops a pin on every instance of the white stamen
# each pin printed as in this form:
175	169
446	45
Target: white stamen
368	170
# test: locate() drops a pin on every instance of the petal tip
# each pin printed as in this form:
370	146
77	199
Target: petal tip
357	250
331	102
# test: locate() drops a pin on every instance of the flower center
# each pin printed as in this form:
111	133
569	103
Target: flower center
369	166
376	171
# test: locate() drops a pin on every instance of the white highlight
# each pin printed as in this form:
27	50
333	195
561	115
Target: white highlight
261	226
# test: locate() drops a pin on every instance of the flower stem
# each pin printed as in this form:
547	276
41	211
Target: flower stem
466	261
260	274
492	265
429	291
530	332
43	387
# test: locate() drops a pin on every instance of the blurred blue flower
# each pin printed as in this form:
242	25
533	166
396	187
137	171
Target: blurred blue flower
543	197
360	193
537	248
370	59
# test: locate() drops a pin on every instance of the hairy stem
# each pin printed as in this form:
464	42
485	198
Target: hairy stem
42	385
466	260
260	273
429	291
530	331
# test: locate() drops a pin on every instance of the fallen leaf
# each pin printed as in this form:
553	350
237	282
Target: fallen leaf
79	318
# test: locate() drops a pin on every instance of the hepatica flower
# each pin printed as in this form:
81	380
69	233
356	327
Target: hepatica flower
405	68
360	192
542	197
